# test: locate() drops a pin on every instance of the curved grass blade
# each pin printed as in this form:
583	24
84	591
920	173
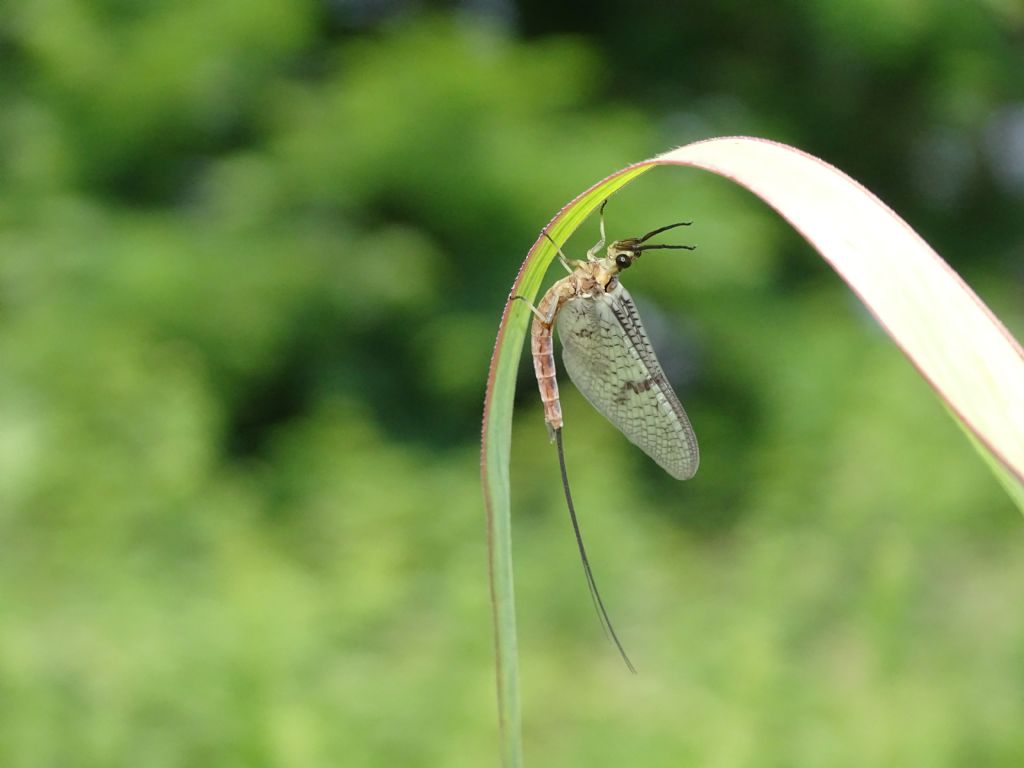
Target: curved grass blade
945	330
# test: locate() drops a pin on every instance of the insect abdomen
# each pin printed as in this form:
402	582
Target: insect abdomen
542	346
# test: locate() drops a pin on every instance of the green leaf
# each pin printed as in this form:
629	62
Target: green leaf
949	335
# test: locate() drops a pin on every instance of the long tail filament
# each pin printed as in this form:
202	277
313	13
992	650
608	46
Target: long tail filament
595	595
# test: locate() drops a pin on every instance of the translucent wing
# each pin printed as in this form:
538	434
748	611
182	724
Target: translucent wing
610	360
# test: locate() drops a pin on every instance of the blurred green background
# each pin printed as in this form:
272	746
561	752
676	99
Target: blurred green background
252	260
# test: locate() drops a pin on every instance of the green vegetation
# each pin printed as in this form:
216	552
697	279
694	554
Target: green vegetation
252	262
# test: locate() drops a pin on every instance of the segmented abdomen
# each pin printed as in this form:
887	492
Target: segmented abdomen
542	347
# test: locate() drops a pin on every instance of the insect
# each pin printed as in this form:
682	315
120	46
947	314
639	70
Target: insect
609	358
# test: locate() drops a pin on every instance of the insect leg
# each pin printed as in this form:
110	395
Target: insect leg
561	256
592	253
537	312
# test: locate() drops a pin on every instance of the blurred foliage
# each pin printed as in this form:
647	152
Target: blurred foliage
252	257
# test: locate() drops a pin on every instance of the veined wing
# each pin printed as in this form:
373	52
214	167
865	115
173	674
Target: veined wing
610	360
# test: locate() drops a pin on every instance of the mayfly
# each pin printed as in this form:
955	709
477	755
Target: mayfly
610	360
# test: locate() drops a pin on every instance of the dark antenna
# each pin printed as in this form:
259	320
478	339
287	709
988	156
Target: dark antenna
665	247
666	228
602	614
658	231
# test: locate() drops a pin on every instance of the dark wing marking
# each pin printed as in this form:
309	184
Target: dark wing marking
610	360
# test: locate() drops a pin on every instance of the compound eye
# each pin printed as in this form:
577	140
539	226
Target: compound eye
622	260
